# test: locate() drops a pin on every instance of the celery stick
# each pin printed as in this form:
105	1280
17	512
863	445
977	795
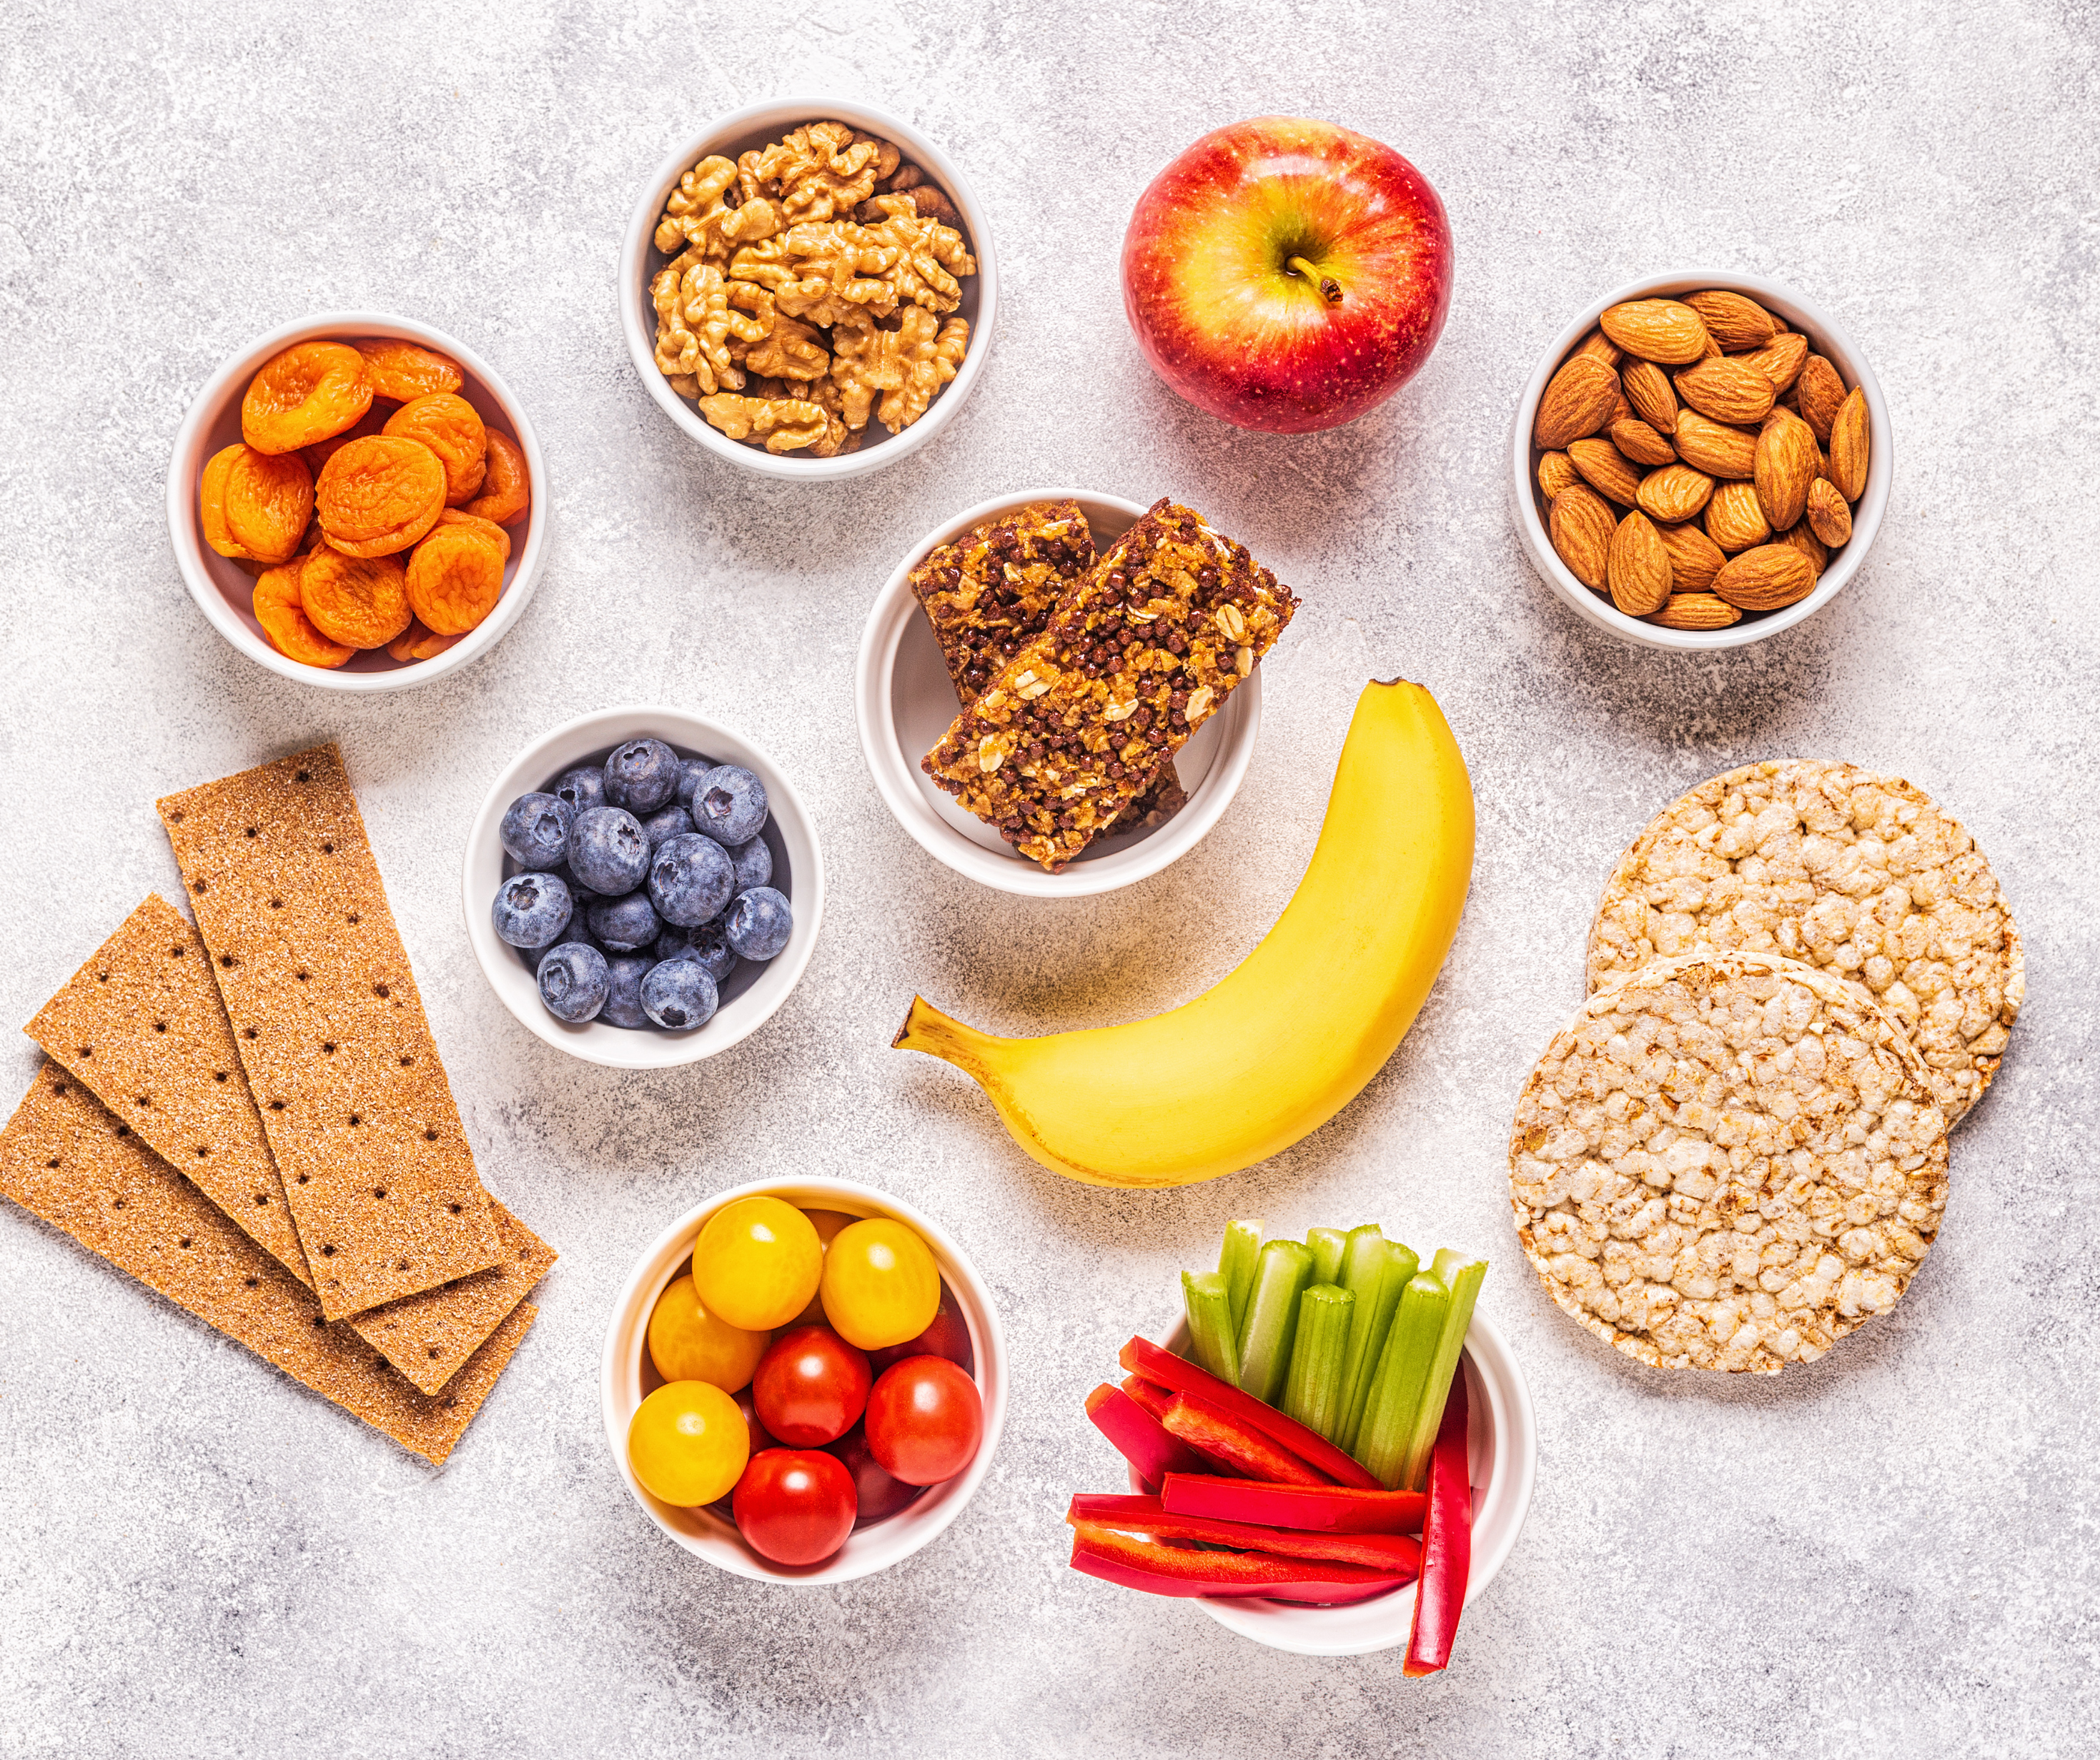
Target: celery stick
1211	1323
1236	1263
1378	1271
1312	1391
1325	1245
1280	1275
1461	1277
1403	1370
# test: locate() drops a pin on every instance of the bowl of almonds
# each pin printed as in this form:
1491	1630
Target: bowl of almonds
1700	461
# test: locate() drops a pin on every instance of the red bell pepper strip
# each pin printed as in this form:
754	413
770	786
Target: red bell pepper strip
1141	1356
1323	1509
1447	1542
1159	1568
1400	1554
1237	1447
1139	1437
1148	1394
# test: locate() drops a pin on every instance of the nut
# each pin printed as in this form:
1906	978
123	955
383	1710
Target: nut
1822	391
1733	321
1581	526
1713	447
1641	444
1605	468
1638	567
1803	538
1555	472
1786	465
1647	388
1780	359
1695	559
1673	494
1848	446
1727	391
1765	579
1598	346
1829	516
1578	400
1694	611
1733	519
1661	330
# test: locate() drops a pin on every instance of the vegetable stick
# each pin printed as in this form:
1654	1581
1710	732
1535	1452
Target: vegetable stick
1312	1391
1447	1544
1210	1329
1236	1263
1333	1509
1377	1269
1141	1356
1280	1277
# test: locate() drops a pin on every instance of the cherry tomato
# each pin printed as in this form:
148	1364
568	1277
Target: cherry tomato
924	1420
881	1497
948	1336
795	1506
688	1344
760	1442
687	1443
757	1263
811	1387
827	1223
881	1285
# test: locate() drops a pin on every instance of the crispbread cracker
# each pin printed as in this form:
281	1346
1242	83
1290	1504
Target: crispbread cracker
1826	863
331	1030
142	1026
1728	1161
64	1157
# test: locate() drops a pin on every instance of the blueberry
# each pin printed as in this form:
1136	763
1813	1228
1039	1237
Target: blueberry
729	804
623	925
708	944
690	770
665	824
582	788
759	923
754	862
678	994
532	909
691	879
624	973
575	933
578	891
607	851
535	832
574	981
641	775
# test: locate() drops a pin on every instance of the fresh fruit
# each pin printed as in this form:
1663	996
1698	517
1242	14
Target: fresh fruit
574	982
583	788
641	776
729	803
880	1495
925	1420
687	1343
607	851
759	923
625	925
532	909
880	1284
624	973
757	1263
687	1443
689	877
811	1387
1288	1038
535	832
948	1335
752	861
794	1505
666	823
1287	275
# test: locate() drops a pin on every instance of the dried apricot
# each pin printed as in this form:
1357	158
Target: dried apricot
362	601
282	615
488	528
380	494
211	501
372	422
401	370
311	391
506	492
455	578
451	428
416	642
268	499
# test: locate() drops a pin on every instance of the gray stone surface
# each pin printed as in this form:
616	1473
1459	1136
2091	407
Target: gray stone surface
1889	1554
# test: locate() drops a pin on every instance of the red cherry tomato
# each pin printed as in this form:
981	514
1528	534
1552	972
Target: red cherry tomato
924	1420
760	1442
811	1387
795	1506
948	1336
881	1497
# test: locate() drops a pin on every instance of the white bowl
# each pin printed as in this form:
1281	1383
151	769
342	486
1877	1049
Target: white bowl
225	593
1825	339
905	701
627	1376
754	990
758	125
1501	1456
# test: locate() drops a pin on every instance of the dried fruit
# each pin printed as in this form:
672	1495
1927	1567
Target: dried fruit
1637	567
1555	474
1605	468
379	496
401	371
1581	526
1734	321
1715	448
1577	401
1695	559
1803	538
1641	444
1648	389
1765	579
282	615
1780	359
1674	493
1661	330
1694	611
1848	446
1786	465
1829	517
1821	392
372	421
416	642
473	523
311	391
1734	520
455	577
1726	390
506	491
451	428
361	601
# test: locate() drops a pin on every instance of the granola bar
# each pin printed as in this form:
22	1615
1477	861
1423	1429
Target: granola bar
1134	658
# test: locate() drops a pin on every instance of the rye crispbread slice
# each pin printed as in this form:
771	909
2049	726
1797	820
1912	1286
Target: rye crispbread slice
64	1158
1728	1161
1843	868
142	1026
331	1030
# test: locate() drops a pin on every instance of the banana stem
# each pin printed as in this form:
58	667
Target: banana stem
927	1029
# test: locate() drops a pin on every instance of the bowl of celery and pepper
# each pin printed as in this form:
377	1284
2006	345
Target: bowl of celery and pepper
1332	1424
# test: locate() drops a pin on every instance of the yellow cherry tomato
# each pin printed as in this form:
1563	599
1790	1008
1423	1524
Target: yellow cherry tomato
688	1344
757	1263
827	1223
688	1444
881	1285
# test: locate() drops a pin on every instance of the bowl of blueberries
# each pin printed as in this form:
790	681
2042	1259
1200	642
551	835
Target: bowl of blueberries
643	888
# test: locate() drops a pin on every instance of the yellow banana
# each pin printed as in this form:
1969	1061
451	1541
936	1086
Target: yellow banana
1291	1036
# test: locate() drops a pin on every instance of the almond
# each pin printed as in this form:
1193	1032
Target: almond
1673	494
1598	346
1555	474
1822	391
1647	388
1637	567
1621	410
1578	400
1848	446
1732	321
1734	520
1581	526
1786	461
1765	579
1641	444
1727	391
1829	517
1694	611
1657	330
1714	448
1605	468
1803	538
1695	559
1779	360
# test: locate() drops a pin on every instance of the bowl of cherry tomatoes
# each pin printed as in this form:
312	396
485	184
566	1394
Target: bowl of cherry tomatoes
804	1381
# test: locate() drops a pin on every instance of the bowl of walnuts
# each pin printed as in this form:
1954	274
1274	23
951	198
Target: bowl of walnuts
808	288
1700	461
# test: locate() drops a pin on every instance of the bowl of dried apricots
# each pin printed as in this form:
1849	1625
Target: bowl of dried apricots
356	503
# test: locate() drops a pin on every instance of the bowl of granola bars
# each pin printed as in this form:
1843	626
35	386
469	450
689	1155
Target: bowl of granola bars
808	288
1058	691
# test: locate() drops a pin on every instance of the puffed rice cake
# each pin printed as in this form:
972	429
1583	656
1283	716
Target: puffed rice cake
1728	1162
1857	873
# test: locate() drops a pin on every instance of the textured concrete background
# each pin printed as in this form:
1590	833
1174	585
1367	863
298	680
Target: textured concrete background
1890	1553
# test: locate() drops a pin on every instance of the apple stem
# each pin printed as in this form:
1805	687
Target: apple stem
1330	289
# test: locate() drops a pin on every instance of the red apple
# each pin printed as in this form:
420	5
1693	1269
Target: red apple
1287	275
